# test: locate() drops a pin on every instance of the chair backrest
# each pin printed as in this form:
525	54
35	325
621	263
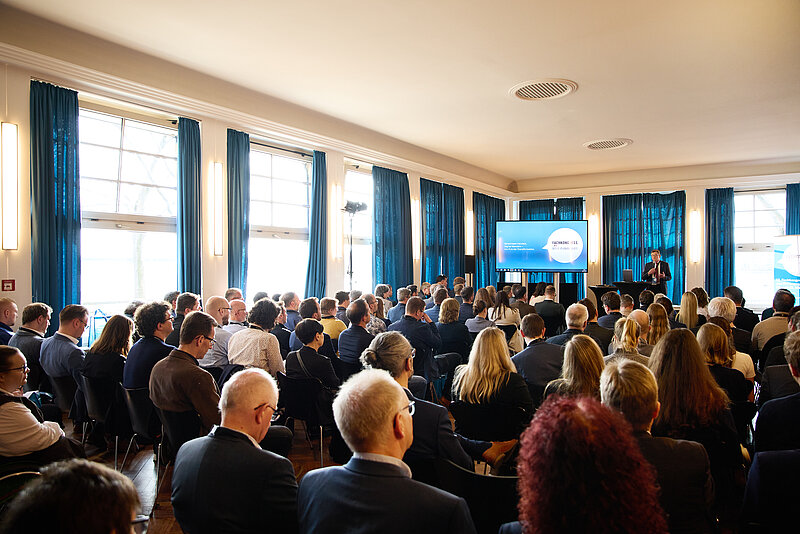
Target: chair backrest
343	369
140	410
492	500
100	393
299	397
508	329
11	485
180	427
64	388
489	422
227	372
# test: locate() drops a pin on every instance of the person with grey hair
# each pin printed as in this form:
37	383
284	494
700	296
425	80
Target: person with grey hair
374	491
291	301
376	325
384	292
577	316
397	312
226	481
682	467
641	317
777	427
725	307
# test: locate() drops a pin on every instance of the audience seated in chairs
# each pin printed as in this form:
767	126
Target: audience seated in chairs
154	323
28	339
659	323
609	487
494	401
745	319
374	490
220	310
307	362
719	357
185	304
454	334
421	332
74	497
577	317
225	481
593	328
479	319
688	314
682	467
695	408
354	339
256	346
626	342
24	434
580	375
741	361
310	309
541	362
777	427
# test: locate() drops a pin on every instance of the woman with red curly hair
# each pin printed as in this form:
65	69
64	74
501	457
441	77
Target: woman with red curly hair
581	470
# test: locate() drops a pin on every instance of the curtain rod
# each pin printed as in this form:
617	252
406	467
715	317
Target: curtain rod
298	152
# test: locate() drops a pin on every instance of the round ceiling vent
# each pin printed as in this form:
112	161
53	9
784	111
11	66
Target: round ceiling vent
608	144
544	89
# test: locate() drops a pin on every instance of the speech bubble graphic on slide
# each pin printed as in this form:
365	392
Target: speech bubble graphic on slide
790	260
564	245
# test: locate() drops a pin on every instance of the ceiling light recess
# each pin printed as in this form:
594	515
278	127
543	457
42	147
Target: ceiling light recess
608	144
543	89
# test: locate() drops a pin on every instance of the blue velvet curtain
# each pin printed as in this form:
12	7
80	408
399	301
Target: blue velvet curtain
663	228
792	209
719	240
431	214
571	209
393	263
442	212
454	233
238	207
622	236
318	235
488	210
190	274
55	198
537	210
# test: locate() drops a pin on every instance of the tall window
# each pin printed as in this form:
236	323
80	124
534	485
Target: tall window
129	195
280	189
358	188
760	216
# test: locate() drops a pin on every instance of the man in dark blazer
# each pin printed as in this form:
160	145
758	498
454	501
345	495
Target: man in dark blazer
611	304
374	491
186	303
603	335
28	339
60	354
540	362
423	337
552	312
290	303
577	317
154	323
682	467
521	302
776	382
465	309
769	501
745	319
657	271
438	297
225	482
309	309
397	312
342	303
355	338
777	427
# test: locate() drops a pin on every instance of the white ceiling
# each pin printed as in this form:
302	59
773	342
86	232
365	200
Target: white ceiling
691	82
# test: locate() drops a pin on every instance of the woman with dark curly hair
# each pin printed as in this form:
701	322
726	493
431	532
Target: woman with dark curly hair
695	408
581	470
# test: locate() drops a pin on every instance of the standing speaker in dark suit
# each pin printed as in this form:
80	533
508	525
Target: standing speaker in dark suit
657	271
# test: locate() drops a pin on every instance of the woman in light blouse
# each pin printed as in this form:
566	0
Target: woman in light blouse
256	346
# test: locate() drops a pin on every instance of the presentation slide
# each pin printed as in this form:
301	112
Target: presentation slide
545	246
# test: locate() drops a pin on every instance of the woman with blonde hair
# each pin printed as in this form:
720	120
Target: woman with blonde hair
716	348
483	296
695	408
490	381
659	323
626	342
687	314
492	293
580	373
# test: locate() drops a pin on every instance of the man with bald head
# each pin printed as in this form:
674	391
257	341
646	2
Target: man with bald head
220	310
374	491
8	316
238	316
225	482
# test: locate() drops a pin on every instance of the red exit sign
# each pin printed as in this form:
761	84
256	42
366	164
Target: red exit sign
8	285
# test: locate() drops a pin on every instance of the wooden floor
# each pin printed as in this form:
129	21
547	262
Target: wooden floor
141	469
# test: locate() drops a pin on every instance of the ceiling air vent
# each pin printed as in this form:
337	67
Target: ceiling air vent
544	89
608	144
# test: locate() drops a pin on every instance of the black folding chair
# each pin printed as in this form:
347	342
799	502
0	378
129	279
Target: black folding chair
143	417
64	388
492	500
489	423
12	484
179	427
100	396
299	397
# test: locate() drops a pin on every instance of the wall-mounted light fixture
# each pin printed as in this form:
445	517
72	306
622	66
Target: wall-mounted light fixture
9	163
469	235
416	228
594	238
695	236
219	200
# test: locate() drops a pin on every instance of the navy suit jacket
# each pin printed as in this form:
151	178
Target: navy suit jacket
144	354
397	312
777	428
433	312
603	335
364	496
284	335
425	339
174	337
609	320
539	363
455	338
352	342
223	483
768	498
562	339
465	312
776	382
5	333
292	318
553	315
433	435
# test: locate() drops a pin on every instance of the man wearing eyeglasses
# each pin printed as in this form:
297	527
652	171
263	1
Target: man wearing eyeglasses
220	310
154	323
24	434
29	338
179	384
60	354
374	491
225	482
